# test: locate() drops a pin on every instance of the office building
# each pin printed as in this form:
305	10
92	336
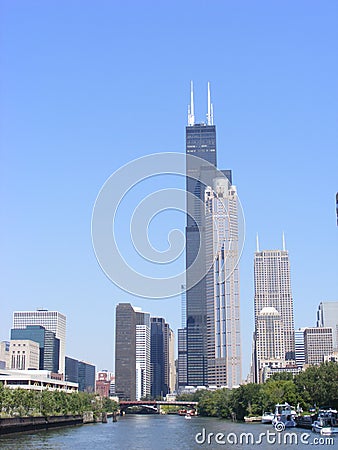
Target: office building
49	345
24	355
35	380
270	350
125	352
273	290
317	344
104	378
201	143
169	359
4	355
181	366
222	285
157	357
86	377
181	358
299	347
327	316
80	372
71	369
51	320
132	353
143	374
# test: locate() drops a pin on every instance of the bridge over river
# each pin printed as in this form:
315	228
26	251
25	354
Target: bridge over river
154	406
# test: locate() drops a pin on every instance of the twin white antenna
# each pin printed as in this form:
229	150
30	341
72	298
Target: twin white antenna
283	243
191	113
191	110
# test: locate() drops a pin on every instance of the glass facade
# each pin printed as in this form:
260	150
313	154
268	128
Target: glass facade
48	343
200	142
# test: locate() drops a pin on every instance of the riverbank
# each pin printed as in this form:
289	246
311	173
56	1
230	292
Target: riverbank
21	424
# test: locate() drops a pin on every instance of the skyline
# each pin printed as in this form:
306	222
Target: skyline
80	104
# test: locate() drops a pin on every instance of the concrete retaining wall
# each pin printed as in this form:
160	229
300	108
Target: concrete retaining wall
19	424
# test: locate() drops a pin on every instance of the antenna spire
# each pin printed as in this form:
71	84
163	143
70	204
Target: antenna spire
191	112
210	115
283	240
257	243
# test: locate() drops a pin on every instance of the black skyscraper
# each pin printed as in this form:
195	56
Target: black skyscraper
200	142
125	352
157	357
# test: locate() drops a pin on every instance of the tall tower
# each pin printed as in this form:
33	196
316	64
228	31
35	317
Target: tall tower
222	285
125	351
158	357
200	142
51	320
273	290
142	354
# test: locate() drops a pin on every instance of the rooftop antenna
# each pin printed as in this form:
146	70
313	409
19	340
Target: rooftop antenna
191	113
210	115
257	243
283	240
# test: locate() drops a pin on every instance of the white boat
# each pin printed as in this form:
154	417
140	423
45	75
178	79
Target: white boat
267	417
285	414
327	422
187	416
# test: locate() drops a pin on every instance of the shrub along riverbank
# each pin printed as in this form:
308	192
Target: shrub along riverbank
316	386
23	403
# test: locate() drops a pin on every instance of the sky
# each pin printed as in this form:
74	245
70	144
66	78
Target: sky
87	87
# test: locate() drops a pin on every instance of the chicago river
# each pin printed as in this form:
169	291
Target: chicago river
168	432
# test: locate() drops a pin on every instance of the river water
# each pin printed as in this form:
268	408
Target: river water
167	432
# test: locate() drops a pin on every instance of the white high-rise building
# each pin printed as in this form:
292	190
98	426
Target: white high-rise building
269	340
273	290
222	285
51	320
299	347
143	376
317	344
171	362
327	316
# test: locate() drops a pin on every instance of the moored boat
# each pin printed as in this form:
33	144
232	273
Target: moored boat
327	422
252	419
285	414
267	417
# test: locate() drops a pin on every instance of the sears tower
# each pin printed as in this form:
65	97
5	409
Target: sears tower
213	302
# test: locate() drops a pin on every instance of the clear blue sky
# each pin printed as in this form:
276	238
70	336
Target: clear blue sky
89	86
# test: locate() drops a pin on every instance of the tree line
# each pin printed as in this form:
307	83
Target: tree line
315	387
22	402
